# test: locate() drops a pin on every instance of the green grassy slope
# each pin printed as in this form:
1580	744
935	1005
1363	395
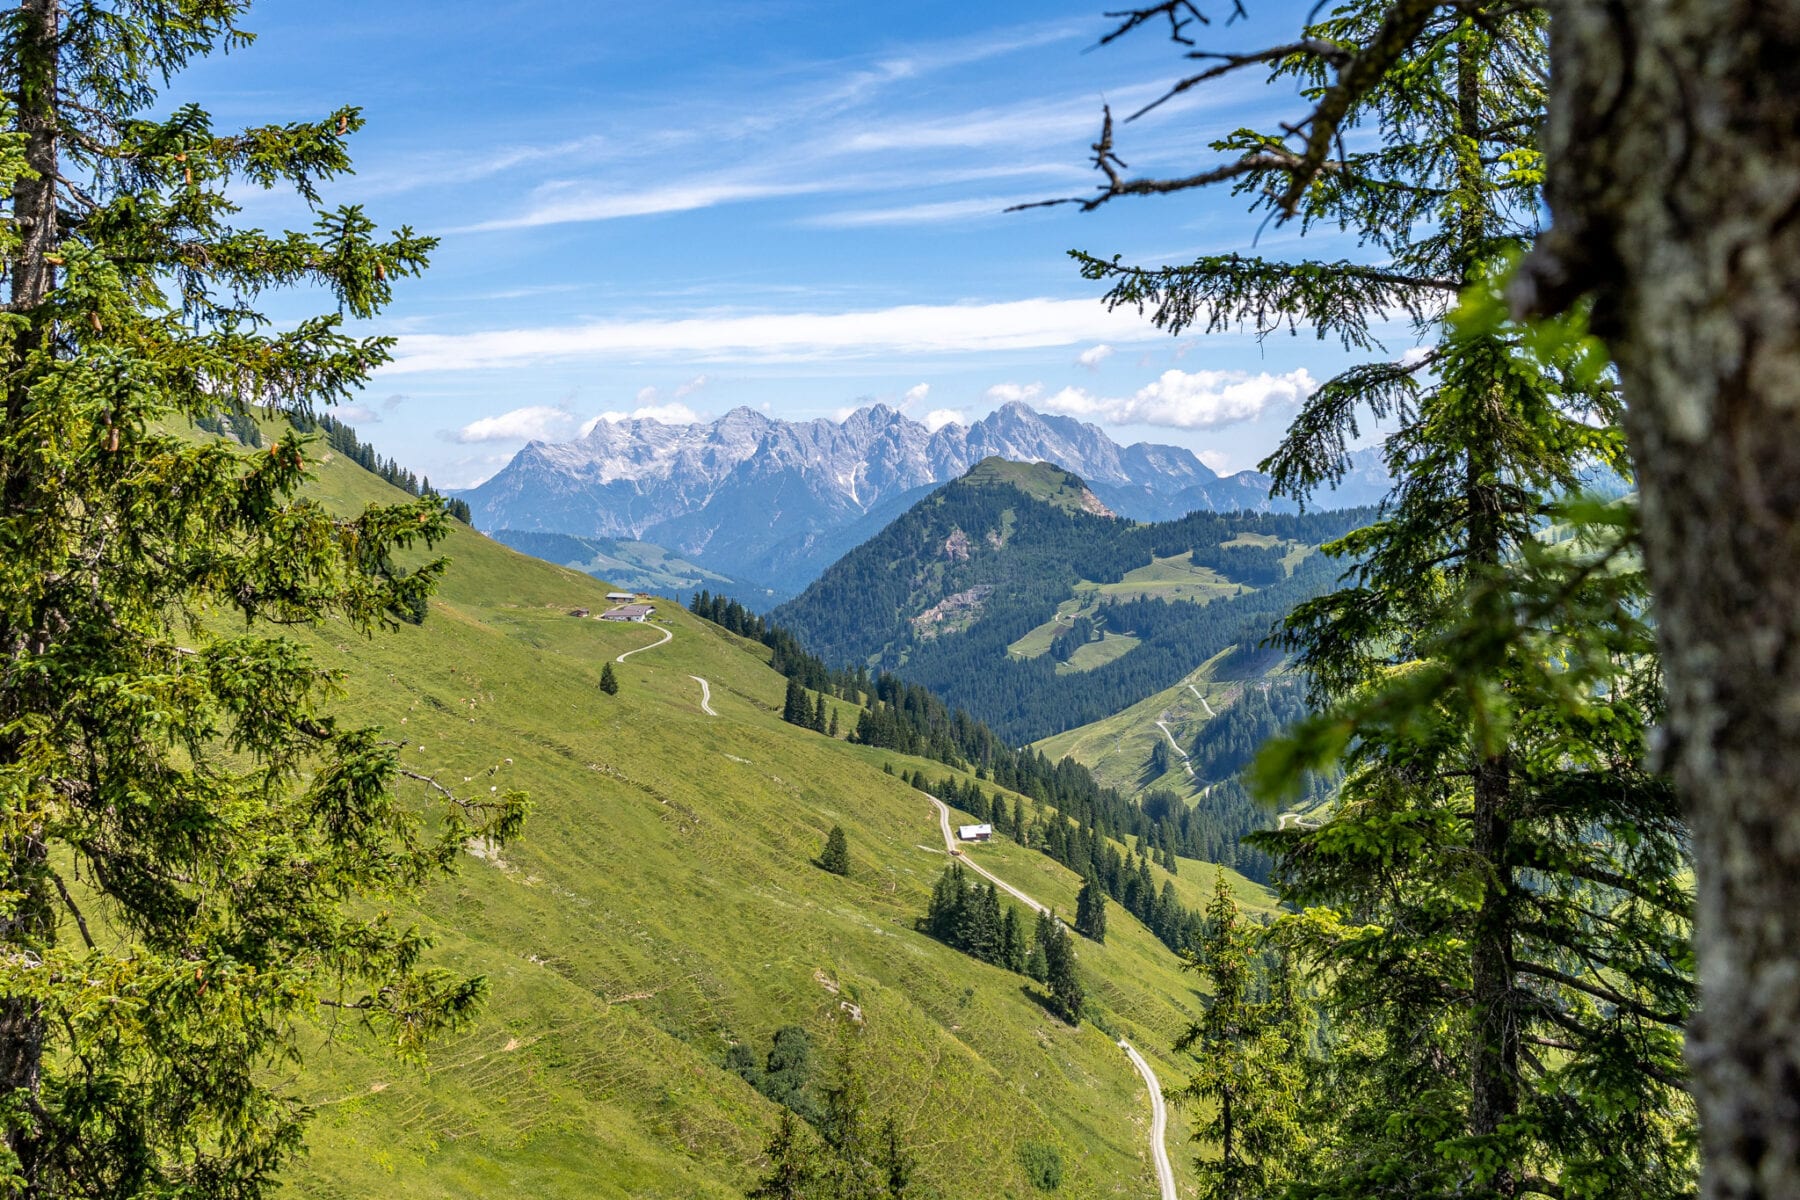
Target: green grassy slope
1040	480
1117	747
663	903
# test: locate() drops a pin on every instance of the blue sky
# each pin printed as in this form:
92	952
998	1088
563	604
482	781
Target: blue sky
793	205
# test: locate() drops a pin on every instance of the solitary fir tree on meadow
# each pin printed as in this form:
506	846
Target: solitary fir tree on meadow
1090	910
1499	905
1060	977
609	680
836	855
195	856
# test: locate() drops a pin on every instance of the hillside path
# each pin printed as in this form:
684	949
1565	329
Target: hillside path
668	635
705	693
1159	1115
1159	1121
1202	699
1184	754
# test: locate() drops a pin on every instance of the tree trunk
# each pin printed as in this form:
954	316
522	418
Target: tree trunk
34	197
1494	1063
1675	187
29	926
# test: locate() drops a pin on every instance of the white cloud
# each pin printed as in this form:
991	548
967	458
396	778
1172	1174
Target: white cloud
782	337
1007	393
1417	355
914	395
356	414
667	414
937	418
691	386
1196	400
1215	459
538	422
1093	356
646	396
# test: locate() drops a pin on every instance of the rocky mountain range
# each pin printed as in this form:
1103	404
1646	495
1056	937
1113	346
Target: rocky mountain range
776	502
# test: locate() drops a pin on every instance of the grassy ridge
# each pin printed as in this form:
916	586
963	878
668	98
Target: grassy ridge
663	903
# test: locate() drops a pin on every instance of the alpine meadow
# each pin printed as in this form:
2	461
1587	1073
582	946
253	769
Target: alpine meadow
658	633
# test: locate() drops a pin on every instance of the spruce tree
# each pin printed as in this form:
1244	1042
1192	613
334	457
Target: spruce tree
851	1171
1090	911
195	854
897	1163
609	680
1250	1072
1059	970
787	1073
1503	875
794	707
793	1163
1012	940
836	855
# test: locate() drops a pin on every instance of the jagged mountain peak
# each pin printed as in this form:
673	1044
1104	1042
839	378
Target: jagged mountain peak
760	498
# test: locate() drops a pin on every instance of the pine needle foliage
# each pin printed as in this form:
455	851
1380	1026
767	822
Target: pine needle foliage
1496	915
1252	1068
195	856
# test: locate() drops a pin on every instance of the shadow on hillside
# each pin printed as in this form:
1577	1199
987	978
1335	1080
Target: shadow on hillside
1246	662
1042	999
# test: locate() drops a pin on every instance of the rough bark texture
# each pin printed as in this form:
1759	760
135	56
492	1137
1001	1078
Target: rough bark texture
1675	189
29	924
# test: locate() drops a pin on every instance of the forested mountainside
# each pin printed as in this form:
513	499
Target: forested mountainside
773	502
1038	615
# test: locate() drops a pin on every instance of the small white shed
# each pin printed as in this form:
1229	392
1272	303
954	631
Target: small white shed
975	833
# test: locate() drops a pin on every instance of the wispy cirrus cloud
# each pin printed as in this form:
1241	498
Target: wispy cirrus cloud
928	213
781	337
569	203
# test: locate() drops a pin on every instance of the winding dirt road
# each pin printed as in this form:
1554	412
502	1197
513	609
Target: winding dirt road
705	692
1202	699
1159	1122
1159	1114
668	635
1178	749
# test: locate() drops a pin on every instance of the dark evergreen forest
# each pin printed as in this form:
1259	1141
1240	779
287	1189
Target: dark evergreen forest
1027	556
